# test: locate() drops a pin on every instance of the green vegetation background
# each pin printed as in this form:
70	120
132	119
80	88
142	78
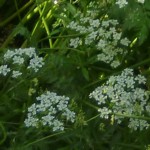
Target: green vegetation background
68	71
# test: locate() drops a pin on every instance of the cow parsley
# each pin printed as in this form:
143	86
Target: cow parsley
103	35
141	1
4	70
49	110
19	58
121	3
121	96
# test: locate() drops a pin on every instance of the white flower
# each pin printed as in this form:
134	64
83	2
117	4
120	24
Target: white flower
97	94
117	36
57	125
50	110
104	112
136	123
18	60
15	74
36	63
121	3
32	109
103	35
55	1
101	44
4	70
105	23
123	94
9	54
125	41
19	57
82	29
70	115
30	52
141	1
75	42
140	79
47	120
72	25
31	121
94	23
115	63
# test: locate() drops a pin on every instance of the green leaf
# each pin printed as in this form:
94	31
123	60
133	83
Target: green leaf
85	73
71	9
2	133
20	29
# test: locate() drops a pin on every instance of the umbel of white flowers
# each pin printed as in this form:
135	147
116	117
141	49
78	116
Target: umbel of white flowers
49	110
121	96
123	3
18	57
104	36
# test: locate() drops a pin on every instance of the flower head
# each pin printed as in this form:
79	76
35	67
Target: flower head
19	58
103	35
4	70
122	96
121	3
49	110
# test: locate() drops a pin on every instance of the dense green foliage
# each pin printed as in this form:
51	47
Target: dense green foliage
73	71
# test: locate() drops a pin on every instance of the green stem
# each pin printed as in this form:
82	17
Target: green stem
72	49
15	86
91	105
38	29
141	63
60	36
132	116
16	13
39	140
117	114
133	66
44	22
92	118
3	133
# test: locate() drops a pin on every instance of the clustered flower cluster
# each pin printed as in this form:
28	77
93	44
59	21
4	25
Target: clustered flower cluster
104	35
123	3
123	95
50	110
18	57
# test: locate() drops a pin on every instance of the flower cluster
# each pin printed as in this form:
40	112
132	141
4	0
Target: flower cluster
102	34
123	95
18	57
141	1
123	3
50	110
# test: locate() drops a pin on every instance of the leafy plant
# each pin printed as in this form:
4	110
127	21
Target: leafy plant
71	48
